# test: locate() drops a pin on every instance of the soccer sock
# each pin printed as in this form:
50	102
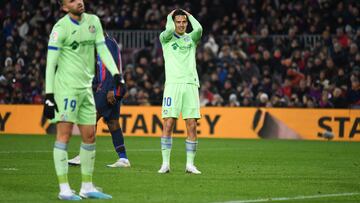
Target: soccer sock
118	141
61	166
87	159
190	151
166	144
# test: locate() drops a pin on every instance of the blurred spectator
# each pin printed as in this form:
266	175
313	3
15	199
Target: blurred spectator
254	53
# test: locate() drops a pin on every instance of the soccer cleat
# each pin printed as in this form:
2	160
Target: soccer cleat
71	197
192	169
164	169
94	194
74	161
120	163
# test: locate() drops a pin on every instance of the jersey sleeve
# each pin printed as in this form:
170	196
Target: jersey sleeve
166	35
197	29
56	41
99	32
102	49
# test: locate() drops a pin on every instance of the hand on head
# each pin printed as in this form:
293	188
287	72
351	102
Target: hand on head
187	13
172	12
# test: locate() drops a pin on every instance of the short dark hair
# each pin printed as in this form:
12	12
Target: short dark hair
60	2
178	12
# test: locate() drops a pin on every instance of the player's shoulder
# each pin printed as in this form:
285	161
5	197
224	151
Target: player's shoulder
61	24
91	17
62	20
164	42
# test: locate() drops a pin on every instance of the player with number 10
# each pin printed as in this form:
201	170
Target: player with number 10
181	93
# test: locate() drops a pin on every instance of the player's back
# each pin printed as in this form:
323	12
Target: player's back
76	41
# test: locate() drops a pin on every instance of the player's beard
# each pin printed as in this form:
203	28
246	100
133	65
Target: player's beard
78	11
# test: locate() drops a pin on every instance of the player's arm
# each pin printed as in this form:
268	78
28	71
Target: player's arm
55	44
197	28
114	49
121	90
167	34
103	51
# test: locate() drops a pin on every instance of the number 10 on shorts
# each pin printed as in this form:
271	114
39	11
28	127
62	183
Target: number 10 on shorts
167	101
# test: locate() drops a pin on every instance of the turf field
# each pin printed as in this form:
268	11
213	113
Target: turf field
233	170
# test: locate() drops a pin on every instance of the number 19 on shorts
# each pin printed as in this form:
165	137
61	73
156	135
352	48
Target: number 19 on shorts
167	101
72	104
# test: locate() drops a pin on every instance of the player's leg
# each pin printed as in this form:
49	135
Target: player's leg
191	112
101	106
65	119
86	122
60	154
191	146
117	138
166	144
170	112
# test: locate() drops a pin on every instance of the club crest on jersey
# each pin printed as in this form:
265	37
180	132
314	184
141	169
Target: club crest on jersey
92	29
187	39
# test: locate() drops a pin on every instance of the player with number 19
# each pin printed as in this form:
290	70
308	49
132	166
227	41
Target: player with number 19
69	99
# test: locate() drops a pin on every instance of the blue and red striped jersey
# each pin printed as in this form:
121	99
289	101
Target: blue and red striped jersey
103	80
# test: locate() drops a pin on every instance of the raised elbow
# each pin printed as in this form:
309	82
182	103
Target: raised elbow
199	29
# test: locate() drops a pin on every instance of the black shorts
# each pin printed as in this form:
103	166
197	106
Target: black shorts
106	110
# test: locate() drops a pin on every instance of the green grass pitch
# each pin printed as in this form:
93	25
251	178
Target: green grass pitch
233	170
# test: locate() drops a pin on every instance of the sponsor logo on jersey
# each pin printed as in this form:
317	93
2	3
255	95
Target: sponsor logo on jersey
92	29
74	45
175	46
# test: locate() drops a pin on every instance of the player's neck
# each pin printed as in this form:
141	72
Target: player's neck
179	34
75	17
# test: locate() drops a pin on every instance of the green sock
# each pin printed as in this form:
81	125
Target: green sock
166	144
61	161
190	151
87	159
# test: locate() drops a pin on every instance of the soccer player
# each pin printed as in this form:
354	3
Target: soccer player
181	93
69	98
108	104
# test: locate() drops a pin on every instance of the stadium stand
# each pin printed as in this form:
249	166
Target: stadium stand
255	53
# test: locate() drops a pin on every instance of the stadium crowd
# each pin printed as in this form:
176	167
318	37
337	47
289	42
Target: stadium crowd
252	53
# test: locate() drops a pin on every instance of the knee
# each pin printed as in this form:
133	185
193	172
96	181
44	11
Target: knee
63	138
113	125
89	138
169	125
191	124
88	135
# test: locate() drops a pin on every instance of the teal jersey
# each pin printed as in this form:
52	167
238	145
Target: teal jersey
179	53
71	48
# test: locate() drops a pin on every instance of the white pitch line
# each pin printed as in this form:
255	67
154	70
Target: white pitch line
47	151
10	169
294	198
130	150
